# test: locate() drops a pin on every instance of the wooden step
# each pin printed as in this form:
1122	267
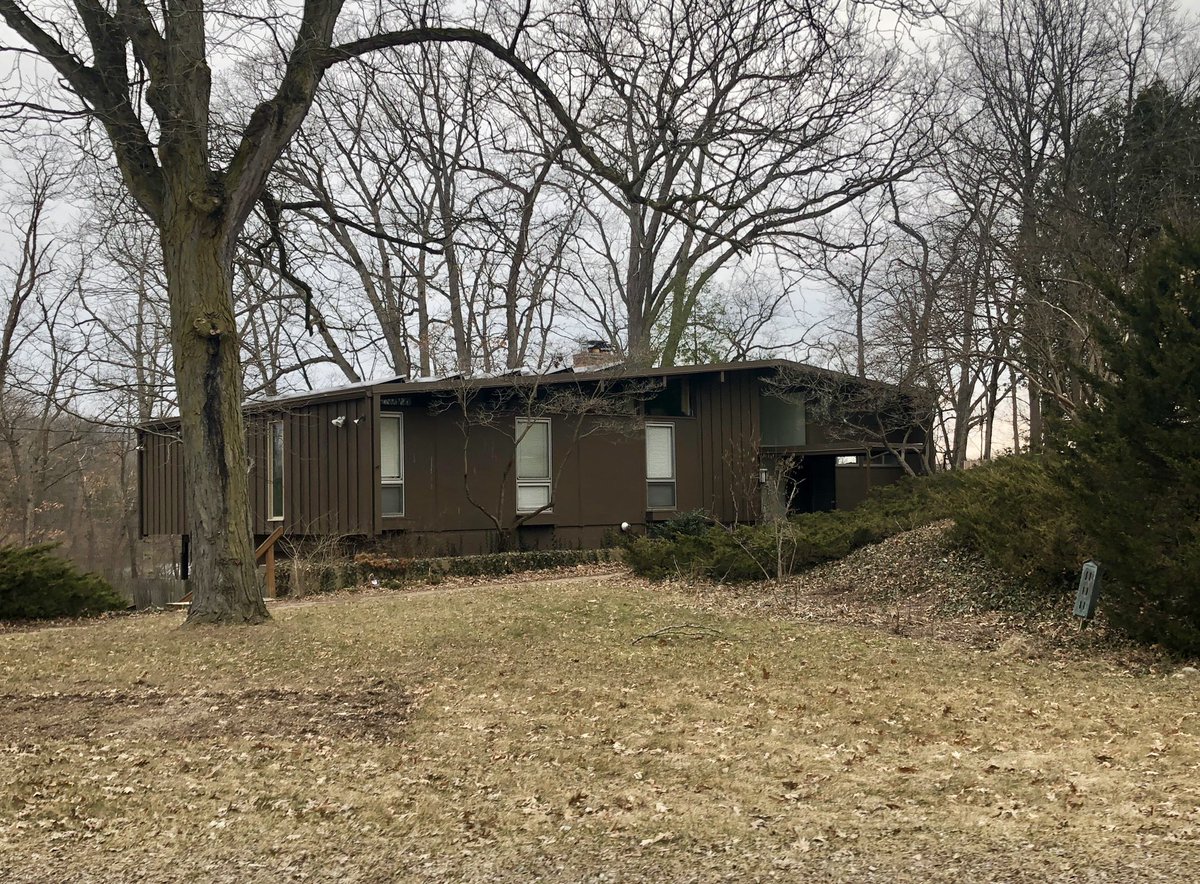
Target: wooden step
189	604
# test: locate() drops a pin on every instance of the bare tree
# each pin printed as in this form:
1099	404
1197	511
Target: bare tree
853	268
739	315
123	315
1032	72
438	185
738	123
143	76
37	356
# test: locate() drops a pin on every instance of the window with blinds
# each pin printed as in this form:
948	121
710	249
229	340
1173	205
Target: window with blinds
660	466
534	486
391	463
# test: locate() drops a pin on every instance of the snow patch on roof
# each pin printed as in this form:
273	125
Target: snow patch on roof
322	391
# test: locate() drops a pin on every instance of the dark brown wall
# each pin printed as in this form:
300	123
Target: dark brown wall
598	472
855	482
160	472
821	438
327	471
727	418
332	473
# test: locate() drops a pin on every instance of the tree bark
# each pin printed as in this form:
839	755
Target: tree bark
208	376
1036	430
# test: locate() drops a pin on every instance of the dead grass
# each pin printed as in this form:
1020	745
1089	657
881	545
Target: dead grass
515	733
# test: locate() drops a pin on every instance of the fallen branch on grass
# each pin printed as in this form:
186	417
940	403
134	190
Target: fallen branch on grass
687	630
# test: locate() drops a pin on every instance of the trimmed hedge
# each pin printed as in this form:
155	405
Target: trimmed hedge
390	570
35	584
399	571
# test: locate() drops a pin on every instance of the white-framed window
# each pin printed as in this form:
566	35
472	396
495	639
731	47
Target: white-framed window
534	486
275	472
391	463
660	466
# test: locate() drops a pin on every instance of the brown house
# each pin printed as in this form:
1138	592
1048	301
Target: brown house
561	459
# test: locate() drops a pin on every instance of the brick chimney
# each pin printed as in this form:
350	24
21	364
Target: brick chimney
594	355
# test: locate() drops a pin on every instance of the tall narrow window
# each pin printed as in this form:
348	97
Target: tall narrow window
533	465
391	463
660	466
275	473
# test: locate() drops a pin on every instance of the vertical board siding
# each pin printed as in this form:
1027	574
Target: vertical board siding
341	481
364	467
727	414
331	473
161	495
256	475
711	481
327	471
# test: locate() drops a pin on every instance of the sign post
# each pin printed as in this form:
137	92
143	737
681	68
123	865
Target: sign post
1088	592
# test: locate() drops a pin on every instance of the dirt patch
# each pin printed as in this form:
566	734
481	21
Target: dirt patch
374	713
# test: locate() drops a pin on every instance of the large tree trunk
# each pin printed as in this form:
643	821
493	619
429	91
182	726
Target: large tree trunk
208	376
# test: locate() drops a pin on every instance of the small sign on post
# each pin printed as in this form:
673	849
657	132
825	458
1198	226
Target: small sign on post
1088	593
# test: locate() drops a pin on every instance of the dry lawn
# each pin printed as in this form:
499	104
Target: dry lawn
515	733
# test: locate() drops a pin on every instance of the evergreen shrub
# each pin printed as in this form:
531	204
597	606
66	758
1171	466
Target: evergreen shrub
35	584
1132	461
1010	511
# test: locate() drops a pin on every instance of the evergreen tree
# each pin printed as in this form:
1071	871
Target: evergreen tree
1133	459
35	584
1138	168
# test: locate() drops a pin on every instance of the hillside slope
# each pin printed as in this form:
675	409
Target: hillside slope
917	583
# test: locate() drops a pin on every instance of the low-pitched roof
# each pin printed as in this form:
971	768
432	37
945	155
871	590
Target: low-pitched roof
493	380
611	371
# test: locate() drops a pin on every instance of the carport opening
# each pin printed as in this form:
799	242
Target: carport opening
813	479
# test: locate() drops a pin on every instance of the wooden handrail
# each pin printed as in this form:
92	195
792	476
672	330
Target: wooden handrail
268	547
268	543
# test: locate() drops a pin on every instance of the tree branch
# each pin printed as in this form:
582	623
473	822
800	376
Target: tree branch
374	232
506	54
111	106
276	120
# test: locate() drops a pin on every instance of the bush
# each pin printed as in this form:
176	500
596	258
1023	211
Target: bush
753	552
692	524
1011	511
1017	516
37	585
390	570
